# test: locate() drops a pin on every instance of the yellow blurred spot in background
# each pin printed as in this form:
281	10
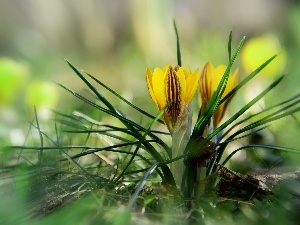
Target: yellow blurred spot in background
258	50
41	94
12	77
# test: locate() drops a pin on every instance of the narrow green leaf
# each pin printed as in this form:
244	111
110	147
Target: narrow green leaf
229	121
101	98
294	98
133	126
142	183
215	99
141	141
244	108
280	113
252	146
120	97
177	44
229	46
212	165
247	79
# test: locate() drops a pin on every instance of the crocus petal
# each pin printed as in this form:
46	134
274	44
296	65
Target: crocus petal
149	76
183	85
217	76
232	82
159	87
174	86
173	92
205	82
191	85
209	82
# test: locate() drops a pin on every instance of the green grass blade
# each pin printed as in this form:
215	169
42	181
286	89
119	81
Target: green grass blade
234	138
120	97
132	126
140	142
247	79
280	113
229	121
229	46
92	88
139	188
212	166
177	45
294	98
245	108
215	99
128	123
156	155
251	146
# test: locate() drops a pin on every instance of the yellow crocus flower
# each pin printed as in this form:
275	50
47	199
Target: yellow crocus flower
175	86
208	83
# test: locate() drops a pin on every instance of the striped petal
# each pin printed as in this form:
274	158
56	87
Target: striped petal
173	92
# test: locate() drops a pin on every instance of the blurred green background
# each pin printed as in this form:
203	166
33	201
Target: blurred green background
116	40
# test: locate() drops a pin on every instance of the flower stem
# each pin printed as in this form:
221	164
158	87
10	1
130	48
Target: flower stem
180	137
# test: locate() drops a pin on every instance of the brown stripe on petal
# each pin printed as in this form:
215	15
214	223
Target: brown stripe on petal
172	92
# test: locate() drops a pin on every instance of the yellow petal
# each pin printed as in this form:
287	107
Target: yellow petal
232	83
205	82
149	76
187	73
217	76
159	87
191	85
218	115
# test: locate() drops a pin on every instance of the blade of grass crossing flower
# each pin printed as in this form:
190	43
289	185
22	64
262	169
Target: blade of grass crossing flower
216	97
215	100
211	107
221	88
203	120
